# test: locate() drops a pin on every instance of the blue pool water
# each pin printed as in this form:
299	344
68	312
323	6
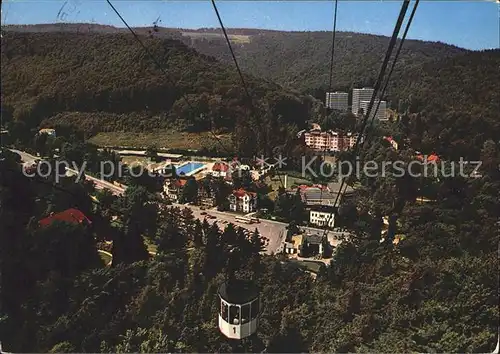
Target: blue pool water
189	167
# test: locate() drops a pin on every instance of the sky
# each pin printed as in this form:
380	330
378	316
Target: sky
467	24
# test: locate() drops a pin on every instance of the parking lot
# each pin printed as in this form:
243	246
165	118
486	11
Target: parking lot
273	231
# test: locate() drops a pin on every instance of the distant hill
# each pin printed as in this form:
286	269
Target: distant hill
298	60
302	59
101	70
456	102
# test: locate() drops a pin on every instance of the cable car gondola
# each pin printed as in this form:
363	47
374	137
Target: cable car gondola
239	307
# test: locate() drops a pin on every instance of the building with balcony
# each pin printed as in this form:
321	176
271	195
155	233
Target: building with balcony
337	101
322	216
381	113
358	95
329	141
242	201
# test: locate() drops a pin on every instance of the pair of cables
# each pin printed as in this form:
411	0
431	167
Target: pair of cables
360	141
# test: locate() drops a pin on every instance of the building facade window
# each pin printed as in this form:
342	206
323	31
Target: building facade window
224	311
245	313
234	314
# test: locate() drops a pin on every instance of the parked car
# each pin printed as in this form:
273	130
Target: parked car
203	213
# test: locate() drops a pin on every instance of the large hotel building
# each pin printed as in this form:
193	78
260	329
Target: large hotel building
329	141
361	100
382	109
337	100
358	95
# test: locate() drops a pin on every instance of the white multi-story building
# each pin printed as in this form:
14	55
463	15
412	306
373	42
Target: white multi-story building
382	110
322	218
329	141
358	95
337	100
243	201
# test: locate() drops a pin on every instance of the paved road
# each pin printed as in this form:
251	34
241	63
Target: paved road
100	184
274	231
25	157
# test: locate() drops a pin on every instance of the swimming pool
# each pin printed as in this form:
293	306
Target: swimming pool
188	167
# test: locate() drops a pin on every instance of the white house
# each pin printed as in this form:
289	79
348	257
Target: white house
322	217
243	201
173	189
220	169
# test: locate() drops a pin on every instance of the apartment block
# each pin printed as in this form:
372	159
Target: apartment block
358	95
329	141
322	217
382	110
337	101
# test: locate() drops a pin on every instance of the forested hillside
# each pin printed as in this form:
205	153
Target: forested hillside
105	82
69	78
301	60
427	283
454	103
298	60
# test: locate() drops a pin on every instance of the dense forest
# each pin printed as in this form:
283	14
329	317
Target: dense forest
101	79
297	60
106	82
453	103
301	60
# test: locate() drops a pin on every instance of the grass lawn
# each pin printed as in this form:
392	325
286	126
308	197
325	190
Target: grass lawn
275	183
161	139
311	266
143	161
236	38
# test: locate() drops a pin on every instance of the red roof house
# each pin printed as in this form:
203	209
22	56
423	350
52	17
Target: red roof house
430	158
240	193
391	141
220	167
73	216
173	188
243	201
